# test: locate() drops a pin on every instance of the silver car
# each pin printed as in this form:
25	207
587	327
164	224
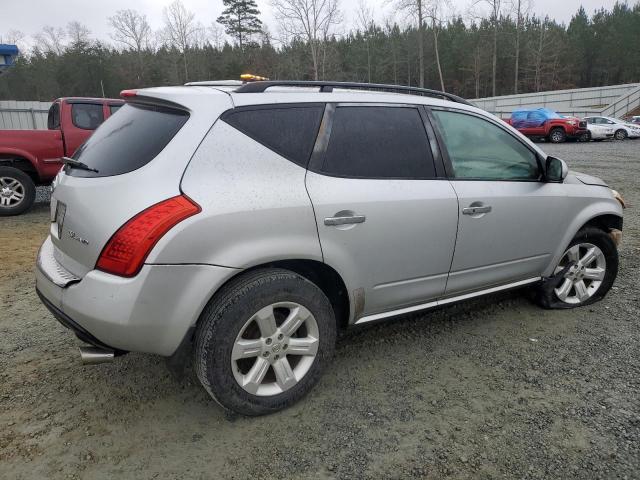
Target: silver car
245	224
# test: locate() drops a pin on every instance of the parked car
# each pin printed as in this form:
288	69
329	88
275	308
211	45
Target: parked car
635	120
622	129
34	157
243	225
600	132
547	124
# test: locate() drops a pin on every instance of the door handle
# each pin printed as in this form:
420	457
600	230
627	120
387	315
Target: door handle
476	210
346	220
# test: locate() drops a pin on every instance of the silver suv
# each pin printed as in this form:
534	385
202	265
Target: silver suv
246	224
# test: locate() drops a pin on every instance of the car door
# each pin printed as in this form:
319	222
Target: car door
510	219
386	217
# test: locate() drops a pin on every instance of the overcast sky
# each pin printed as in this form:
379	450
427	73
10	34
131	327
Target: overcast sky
29	16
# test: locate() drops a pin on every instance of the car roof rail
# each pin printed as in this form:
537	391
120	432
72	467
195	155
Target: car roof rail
260	87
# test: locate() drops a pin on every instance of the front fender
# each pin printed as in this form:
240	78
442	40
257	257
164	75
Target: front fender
602	206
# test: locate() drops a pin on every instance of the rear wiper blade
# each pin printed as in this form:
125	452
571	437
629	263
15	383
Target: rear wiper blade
73	163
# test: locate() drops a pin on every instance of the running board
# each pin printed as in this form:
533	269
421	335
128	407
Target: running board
444	301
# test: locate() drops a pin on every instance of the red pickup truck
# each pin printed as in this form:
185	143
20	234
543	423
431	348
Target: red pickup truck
34	157
547	124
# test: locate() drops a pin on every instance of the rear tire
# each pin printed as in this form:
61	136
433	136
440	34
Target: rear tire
578	280
247	334
17	191
557	135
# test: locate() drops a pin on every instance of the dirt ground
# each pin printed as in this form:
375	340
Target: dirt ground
491	388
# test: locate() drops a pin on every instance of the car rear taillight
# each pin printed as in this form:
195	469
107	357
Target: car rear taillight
127	250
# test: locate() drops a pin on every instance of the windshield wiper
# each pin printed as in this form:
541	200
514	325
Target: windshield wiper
73	163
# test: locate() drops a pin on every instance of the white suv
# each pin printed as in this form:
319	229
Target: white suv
622	129
247	223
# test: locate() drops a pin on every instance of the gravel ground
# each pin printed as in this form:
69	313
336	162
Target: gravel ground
491	388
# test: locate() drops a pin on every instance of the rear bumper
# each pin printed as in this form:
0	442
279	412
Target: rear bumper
151	312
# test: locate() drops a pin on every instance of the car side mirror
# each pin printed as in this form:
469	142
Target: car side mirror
557	170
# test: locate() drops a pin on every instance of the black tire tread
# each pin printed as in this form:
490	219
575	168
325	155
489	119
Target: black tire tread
545	295
30	191
231	294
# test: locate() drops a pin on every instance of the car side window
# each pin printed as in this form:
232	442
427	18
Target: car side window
290	131
378	142
53	118
114	108
480	150
87	116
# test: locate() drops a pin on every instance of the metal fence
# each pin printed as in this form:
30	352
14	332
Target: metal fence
16	115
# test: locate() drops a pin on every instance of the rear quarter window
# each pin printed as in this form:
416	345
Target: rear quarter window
129	140
289	131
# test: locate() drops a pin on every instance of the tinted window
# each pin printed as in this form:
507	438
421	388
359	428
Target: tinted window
378	142
129	140
53	119
290	132
114	108
87	116
479	149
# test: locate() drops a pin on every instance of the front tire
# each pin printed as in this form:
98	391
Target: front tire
263	341
620	134
585	273
17	191
558	135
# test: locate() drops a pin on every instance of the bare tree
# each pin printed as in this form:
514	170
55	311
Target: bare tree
216	35
309	20
180	29
495	8
78	32
415	9
435	13
51	40
521	8
432	10
366	23
132	30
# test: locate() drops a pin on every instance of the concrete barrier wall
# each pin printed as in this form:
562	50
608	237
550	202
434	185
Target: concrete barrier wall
579	102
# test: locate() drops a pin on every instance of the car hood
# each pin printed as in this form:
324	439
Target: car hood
575	177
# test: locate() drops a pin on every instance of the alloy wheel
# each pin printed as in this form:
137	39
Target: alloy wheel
621	135
586	271
275	349
12	192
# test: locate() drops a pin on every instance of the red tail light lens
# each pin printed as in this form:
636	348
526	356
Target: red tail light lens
127	250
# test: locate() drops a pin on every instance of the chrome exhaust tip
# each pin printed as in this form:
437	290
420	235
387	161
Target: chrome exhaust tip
95	355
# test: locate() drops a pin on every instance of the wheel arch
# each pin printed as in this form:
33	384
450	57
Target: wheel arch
605	215
320	274
22	161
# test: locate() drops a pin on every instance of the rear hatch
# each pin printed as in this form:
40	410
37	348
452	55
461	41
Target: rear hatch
134	160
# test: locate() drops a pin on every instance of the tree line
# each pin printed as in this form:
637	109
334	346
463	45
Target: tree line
509	49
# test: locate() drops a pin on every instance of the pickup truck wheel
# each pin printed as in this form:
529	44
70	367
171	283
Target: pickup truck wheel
263	341
620	134
558	135
17	191
585	273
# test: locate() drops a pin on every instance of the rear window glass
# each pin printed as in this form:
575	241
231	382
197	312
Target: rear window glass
128	141
87	116
114	108
290	132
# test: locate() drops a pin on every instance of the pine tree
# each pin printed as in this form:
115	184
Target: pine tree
240	19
